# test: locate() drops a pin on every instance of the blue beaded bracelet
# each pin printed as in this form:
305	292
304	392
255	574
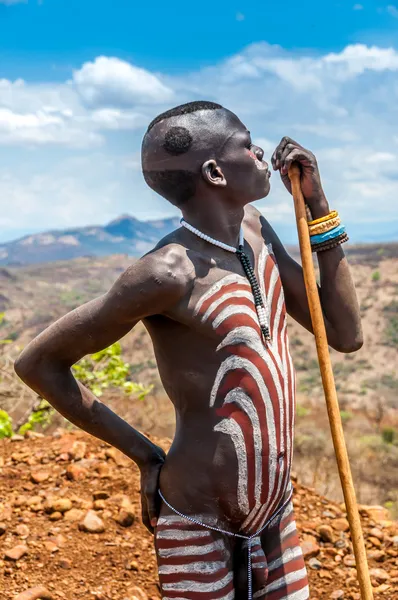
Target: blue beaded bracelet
329	235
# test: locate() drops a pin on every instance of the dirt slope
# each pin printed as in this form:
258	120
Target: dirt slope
52	488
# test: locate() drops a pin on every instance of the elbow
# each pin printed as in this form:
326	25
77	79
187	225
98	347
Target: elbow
22	366
27	365
348	346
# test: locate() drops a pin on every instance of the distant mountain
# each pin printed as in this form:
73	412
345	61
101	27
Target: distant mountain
124	235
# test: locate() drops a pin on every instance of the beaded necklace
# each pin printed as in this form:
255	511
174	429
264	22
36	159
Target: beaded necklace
248	269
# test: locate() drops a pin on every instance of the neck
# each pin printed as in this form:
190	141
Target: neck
221	225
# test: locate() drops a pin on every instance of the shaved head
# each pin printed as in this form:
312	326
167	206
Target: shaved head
200	144
176	145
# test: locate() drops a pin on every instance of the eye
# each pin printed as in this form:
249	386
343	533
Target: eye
249	146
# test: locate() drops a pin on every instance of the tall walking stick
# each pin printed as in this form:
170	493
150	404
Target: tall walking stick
329	387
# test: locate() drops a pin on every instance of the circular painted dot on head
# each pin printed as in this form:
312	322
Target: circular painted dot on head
177	140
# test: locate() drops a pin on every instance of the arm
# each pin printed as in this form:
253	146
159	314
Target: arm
337	292
150	286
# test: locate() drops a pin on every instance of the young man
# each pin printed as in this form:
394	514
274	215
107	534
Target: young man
220	502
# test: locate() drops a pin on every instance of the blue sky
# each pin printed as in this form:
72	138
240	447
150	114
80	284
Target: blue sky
80	80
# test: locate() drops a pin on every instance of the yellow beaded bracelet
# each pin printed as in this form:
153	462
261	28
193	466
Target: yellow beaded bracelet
332	215
325	226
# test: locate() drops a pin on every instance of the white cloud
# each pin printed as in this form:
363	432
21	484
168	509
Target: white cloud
111	82
342	105
240	16
10	2
357	7
392	10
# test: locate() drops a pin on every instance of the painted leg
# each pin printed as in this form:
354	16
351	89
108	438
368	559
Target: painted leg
194	563
287	575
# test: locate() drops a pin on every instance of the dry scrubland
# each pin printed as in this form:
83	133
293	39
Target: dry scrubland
32	297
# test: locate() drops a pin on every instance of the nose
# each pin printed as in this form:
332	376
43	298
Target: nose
259	152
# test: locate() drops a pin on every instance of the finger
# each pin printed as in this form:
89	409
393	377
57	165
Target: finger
153	505
296	155
276	157
288	149
144	513
278	152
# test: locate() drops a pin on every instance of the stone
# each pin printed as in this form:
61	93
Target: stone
134	565
118	457
17	438
16	553
381	588
39	476
3	528
376	513
337	595
65	563
126	516
375	541
104	471
61	505
100	495
310	548
379	574
35	593
51	546
33	435
349	560
341	524
377	555
325	532
315	564
92	523
55	516
137	593
76	472
99	505
74	515
34	501
377	533
20	501
78	450
22	530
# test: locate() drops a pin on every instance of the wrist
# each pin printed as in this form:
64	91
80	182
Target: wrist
319	207
154	456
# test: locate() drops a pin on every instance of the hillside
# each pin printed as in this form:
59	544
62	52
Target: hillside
125	235
70	528
34	296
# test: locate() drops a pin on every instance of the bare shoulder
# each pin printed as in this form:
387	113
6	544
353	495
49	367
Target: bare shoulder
157	280
257	223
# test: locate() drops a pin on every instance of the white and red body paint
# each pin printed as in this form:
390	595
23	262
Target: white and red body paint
254	389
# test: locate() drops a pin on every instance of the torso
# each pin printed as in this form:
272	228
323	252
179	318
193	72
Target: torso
234	394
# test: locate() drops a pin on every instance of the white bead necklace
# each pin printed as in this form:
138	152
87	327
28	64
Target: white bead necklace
249	271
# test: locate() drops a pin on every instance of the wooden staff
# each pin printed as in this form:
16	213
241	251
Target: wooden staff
329	387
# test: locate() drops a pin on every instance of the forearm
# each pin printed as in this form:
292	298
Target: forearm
79	405
337	291
339	300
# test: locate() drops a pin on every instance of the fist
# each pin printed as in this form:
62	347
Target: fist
289	151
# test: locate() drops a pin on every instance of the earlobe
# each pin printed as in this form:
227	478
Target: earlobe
213	174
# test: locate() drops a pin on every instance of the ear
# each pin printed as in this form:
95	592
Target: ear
213	174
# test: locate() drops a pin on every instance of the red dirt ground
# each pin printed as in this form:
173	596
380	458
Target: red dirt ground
66	471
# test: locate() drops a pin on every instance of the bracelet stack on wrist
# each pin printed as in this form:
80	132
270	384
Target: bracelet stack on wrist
327	232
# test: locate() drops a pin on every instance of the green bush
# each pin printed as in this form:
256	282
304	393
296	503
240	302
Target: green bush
346	415
389	435
106	369
302	411
376	276
5	425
